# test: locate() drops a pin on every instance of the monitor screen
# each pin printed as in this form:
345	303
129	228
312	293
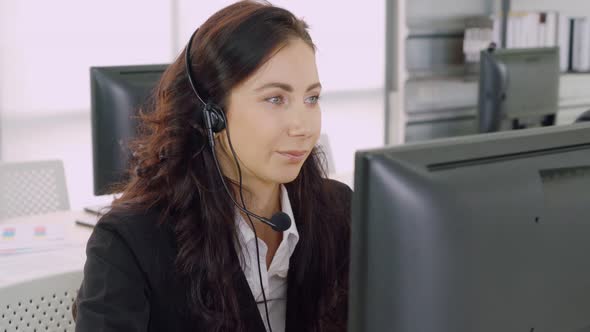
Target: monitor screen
518	88
481	233
117	93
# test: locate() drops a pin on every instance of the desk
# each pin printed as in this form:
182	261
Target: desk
24	267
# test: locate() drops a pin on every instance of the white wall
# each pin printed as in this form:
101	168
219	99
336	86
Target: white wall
48	47
350	36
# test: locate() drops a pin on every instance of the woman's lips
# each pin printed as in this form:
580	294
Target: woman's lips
293	156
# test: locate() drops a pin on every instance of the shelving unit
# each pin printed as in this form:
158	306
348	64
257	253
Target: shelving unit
430	91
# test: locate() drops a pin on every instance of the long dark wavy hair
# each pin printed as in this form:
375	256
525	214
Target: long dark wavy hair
173	171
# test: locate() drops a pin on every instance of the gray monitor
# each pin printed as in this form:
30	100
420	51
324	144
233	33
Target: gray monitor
518	88
117	93
483	233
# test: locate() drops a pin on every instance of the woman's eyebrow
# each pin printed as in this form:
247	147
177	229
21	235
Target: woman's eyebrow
285	86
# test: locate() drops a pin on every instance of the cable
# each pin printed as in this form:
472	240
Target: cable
247	215
212	145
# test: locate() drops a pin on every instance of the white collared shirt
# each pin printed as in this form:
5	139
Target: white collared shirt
274	278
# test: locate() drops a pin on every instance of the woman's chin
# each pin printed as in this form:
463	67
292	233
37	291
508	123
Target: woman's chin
286	175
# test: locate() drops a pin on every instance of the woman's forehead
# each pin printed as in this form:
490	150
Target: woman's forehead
294	64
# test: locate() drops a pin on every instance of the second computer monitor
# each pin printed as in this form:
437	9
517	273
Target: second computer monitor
518	88
117	93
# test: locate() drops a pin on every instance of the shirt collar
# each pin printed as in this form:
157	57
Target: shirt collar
291	232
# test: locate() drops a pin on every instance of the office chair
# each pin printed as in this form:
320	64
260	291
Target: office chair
29	188
584	117
40	305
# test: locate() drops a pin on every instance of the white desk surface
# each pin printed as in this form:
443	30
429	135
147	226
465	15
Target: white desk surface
22	267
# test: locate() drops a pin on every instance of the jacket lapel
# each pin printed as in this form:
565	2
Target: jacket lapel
294	320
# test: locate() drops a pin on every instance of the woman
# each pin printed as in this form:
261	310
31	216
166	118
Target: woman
226	154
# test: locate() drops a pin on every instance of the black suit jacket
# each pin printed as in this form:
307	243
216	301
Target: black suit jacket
129	278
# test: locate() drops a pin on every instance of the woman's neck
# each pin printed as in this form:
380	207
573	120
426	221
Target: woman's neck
261	197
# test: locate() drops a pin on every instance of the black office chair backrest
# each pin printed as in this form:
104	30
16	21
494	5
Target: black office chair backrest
584	117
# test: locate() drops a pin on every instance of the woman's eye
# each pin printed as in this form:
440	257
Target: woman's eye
277	100
313	100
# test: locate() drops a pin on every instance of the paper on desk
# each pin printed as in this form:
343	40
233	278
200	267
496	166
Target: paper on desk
24	238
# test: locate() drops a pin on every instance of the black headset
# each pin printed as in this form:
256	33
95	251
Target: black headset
212	115
214	121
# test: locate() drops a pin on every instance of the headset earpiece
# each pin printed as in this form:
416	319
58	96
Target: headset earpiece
216	119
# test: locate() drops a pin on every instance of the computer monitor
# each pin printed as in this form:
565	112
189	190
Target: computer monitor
482	233
117	93
518	88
